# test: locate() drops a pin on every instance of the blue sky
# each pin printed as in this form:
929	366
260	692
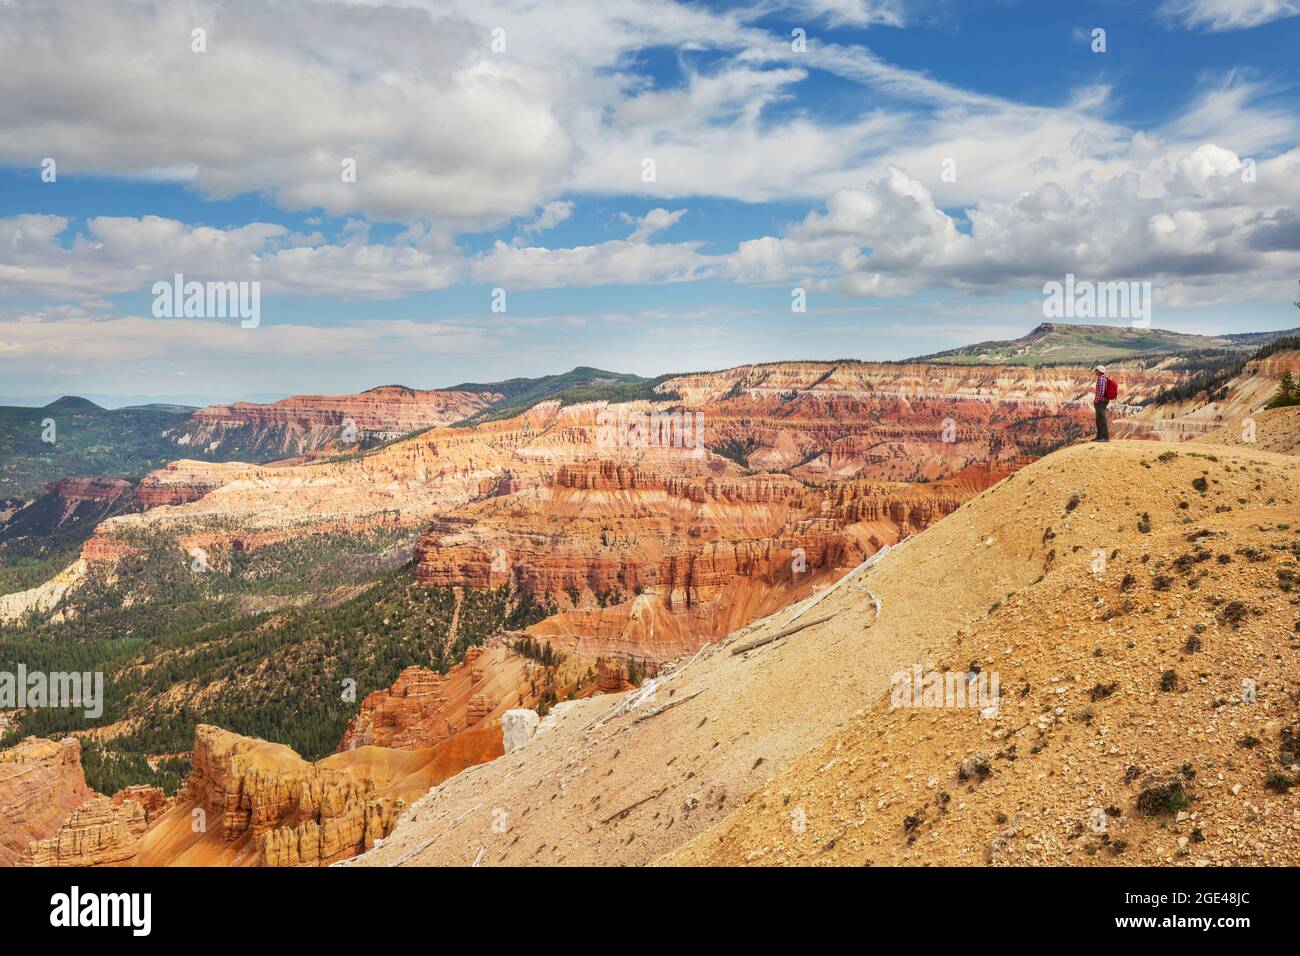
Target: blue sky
918	169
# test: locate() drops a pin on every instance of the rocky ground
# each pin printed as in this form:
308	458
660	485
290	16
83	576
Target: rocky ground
1149	705
1275	429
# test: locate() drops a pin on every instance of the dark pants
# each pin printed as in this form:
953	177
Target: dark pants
1103	431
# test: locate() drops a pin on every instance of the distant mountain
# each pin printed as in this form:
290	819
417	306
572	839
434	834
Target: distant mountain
1059	343
190	402
74	437
582	384
71	403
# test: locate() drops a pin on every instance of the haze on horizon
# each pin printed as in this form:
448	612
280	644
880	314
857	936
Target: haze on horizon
437	192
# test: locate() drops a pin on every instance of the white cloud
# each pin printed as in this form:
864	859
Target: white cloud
122	254
617	262
445	130
858	13
286	91
655	221
552	214
1228	14
1206	229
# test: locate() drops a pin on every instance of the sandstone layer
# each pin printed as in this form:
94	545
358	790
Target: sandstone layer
100	832
307	424
41	784
248	802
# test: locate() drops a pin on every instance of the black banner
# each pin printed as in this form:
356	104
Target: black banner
366	905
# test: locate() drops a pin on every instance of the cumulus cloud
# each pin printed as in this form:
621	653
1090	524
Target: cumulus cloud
1191	219
284	95
1203	223
444	129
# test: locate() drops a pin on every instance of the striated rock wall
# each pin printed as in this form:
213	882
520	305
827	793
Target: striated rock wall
100	832
424	708
41	784
308	423
264	804
1049	387
80	500
152	799
609	531
822	422
251	784
414	712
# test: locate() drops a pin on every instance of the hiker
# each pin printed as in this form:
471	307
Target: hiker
1107	388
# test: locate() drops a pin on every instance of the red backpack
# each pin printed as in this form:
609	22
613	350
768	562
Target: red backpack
1112	389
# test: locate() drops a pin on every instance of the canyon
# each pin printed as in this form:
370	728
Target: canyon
636	554
818	422
782	744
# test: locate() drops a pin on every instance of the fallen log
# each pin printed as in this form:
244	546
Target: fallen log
784	632
632	806
672	703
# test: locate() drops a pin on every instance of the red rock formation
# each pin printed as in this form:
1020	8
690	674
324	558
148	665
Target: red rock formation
308	423
74	491
826	422
180	482
412	713
674	558
152	799
611	676
250	802
72	501
646	549
424	708
246	802
100	832
106	549
41	784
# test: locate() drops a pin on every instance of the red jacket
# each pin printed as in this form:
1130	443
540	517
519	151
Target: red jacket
1100	395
